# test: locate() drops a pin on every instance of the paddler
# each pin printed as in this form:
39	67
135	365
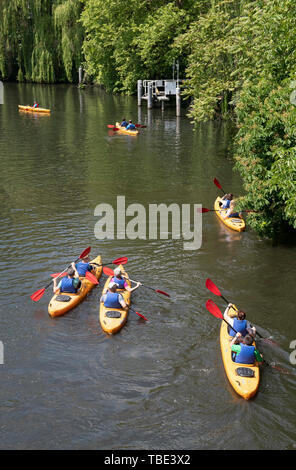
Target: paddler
121	281
131	126
35	105
124	123
245	352
113	299
231	211
225	201
83	266
239	323
71	283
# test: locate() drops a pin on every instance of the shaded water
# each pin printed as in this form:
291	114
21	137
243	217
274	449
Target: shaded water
155	385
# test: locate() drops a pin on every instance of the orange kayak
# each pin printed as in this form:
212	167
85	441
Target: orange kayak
62	303
32	109
235	223
244	378
112	320
124	130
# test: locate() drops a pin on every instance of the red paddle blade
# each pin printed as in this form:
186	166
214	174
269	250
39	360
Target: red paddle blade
202	210
91	277
216	182
162	292
212	287
140	125
122	260
58	274
140	315
108	271
110	126
85	252
213	309
38	294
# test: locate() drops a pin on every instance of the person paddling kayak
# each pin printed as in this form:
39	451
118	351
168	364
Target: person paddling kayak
245	352
239	323
124	123
83	266
225	201
121	282
113	299
231	211
35	105
69	284
131	126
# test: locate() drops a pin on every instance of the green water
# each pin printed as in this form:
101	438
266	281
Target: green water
155	385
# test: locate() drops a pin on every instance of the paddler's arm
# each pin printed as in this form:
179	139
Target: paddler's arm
233	345
122	302
74	267
258	356
131	289
55	286
226	316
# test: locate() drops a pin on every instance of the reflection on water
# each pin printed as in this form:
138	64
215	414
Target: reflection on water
156	385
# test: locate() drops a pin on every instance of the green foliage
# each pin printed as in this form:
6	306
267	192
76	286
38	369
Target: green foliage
40	40
127	41
241	62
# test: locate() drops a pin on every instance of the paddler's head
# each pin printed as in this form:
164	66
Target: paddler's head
85	259
117	272
248	340
112	287
70	272
241	315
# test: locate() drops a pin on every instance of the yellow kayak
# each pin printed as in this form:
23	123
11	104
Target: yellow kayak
124	130
34	110
235	223
112	320
62	303
244	378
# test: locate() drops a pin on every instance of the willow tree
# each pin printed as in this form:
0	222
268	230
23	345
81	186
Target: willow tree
40	40
69	30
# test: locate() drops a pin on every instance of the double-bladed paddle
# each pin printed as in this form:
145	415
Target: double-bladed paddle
39	293
215	290
110	272
202	210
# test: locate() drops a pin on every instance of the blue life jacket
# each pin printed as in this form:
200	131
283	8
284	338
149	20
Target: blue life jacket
124	124
233	214
111	300
226	204
82	268
240	326
131	126
119	282
67	286
246	355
